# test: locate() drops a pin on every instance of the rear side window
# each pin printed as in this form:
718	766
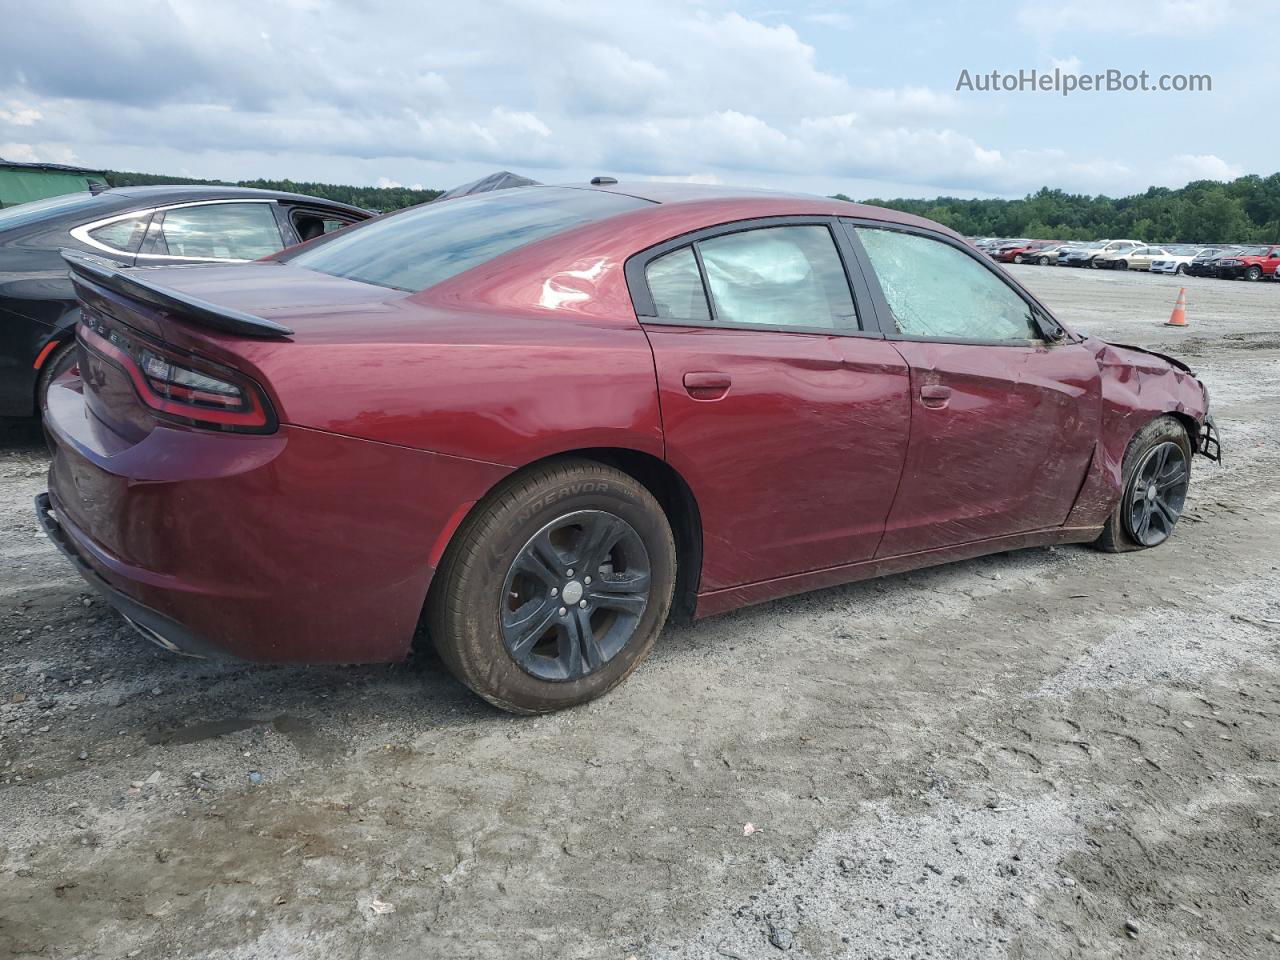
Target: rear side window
935	290
219	231
422	246
123	235
779	277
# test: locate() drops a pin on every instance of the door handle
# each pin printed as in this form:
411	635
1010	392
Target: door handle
935	394
707	385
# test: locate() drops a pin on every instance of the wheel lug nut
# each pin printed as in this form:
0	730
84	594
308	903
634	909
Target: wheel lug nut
586	579
582	604
554	591
568	573
563	611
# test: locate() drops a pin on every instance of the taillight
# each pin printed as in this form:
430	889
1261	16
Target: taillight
180	386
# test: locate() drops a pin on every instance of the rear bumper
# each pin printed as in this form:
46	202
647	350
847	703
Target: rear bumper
155	626
298	546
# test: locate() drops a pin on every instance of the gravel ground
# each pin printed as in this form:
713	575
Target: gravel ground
1046	753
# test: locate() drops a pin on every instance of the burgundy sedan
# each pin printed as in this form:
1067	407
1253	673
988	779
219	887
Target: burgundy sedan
531	425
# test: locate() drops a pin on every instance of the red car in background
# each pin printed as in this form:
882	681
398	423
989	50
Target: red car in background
537	421
1251	263
1020	253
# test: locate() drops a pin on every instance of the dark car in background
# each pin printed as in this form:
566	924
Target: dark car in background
128	227
1205	263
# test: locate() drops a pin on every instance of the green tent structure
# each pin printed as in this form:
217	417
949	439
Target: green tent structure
20	182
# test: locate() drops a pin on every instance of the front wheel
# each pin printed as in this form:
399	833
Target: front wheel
1017	258
1121	265
1253	273
1043	261
1182	270
1157	475
555	588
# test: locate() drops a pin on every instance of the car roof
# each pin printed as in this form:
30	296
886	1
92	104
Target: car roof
179	192
751	202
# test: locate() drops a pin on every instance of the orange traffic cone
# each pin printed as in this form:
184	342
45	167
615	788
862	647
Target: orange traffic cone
1179	316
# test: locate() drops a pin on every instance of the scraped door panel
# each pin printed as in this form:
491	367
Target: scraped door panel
795	462
1001	437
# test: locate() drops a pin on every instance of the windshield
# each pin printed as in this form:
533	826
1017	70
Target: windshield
1253	251
424	245
36	210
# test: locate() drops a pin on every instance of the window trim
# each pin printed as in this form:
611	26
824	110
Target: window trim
643	304
1052	332
81	232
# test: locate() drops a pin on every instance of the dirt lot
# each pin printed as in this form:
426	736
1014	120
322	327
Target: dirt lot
1010	757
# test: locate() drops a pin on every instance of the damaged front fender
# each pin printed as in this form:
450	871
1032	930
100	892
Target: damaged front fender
1137	385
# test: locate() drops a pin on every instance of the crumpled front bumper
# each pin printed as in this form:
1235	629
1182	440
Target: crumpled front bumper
1208	444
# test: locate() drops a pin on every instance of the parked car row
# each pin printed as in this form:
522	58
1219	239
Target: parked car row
1225	261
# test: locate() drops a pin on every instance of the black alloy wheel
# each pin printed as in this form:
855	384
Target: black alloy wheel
574	595
555	587
1156	494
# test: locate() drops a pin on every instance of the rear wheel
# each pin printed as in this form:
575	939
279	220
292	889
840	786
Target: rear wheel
1121	265
1157	475
555	588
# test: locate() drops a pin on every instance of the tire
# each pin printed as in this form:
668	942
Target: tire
500	563
1253	273
1123	531
1017	258
57	363
1120	265
1181	271
1093	264
1043	261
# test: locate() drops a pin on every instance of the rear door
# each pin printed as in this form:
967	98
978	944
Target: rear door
1003	423
787	416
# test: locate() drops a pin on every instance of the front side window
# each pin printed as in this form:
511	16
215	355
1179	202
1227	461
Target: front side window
122	235
419	247
935	290
218	231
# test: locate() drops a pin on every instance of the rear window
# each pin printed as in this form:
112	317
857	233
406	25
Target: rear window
36	210
422	246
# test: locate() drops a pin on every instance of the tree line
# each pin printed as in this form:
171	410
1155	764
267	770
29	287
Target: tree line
1245	210
370	198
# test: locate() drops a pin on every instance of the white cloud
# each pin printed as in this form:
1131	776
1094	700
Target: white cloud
1156	17
657	89
19	115
38	152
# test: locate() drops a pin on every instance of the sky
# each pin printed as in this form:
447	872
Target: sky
858	98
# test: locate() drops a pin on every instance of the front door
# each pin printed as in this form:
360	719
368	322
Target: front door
1003	423
789	425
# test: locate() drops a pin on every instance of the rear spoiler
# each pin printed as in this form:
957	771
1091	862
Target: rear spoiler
130	284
